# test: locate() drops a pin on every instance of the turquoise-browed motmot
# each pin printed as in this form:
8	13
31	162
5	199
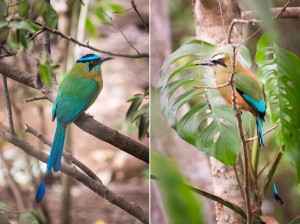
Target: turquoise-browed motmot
78	90
249	90
250	94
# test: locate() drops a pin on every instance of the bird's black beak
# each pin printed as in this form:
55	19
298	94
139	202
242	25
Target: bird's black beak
204	62
103	59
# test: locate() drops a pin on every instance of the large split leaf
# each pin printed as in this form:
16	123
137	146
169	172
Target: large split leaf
200	117
280	71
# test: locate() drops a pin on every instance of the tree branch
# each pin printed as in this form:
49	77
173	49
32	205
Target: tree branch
215	198
64	36
71	171
281	11
76	162
134	6
244	143
8	106
287	13
85	122
266	132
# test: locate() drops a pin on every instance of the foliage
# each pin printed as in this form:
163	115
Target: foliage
139	113
27	217
31	217
17	27
209	124
180	202
280	72
101	12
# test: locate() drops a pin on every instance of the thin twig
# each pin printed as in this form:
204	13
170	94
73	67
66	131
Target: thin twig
223	24
71	171
36	34
76	162
242	136
64	36
15	4
212	87
119	28
8	106
239	182
138	13
243	21
266	132
213	197
267	165
289	12
276	17
85	122
14	187
35	98
268	178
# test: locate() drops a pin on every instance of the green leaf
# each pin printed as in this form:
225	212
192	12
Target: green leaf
21	38
3	23
136	102
3	9
50	15
209	124
31	217
90	27
181	204
280	72
139	114
12	42
23	8
116	7
4	219
4	207
25	25
44	73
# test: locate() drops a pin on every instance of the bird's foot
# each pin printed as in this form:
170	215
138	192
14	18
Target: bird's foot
238	110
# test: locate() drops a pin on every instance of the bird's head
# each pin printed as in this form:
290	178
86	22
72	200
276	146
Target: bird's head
92	61
220	59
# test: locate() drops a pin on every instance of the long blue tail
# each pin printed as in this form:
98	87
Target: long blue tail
260	134
54	159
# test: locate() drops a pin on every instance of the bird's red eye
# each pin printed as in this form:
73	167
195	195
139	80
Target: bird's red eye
93	62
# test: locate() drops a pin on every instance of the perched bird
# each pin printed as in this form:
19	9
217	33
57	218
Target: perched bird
250	94
77	92
249	90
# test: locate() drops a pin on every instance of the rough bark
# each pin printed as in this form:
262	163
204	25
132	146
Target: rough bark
212	25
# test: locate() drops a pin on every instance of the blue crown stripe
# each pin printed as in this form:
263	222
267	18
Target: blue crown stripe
88	58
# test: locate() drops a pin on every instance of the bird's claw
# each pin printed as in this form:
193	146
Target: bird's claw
236	111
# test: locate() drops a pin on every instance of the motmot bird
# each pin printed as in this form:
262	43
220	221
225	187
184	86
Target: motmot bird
77	92
249	90
250	94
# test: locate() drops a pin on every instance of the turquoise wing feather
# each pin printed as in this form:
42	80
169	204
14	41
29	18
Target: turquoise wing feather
75	95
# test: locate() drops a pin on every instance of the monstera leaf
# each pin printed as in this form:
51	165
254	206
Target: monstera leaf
200	116
280	72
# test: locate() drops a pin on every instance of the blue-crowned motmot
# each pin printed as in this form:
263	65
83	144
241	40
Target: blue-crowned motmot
77	92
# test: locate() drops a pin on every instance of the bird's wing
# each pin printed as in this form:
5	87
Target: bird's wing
75	95
251	90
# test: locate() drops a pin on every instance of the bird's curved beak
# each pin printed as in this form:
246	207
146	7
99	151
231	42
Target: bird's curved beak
107	58
204	62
